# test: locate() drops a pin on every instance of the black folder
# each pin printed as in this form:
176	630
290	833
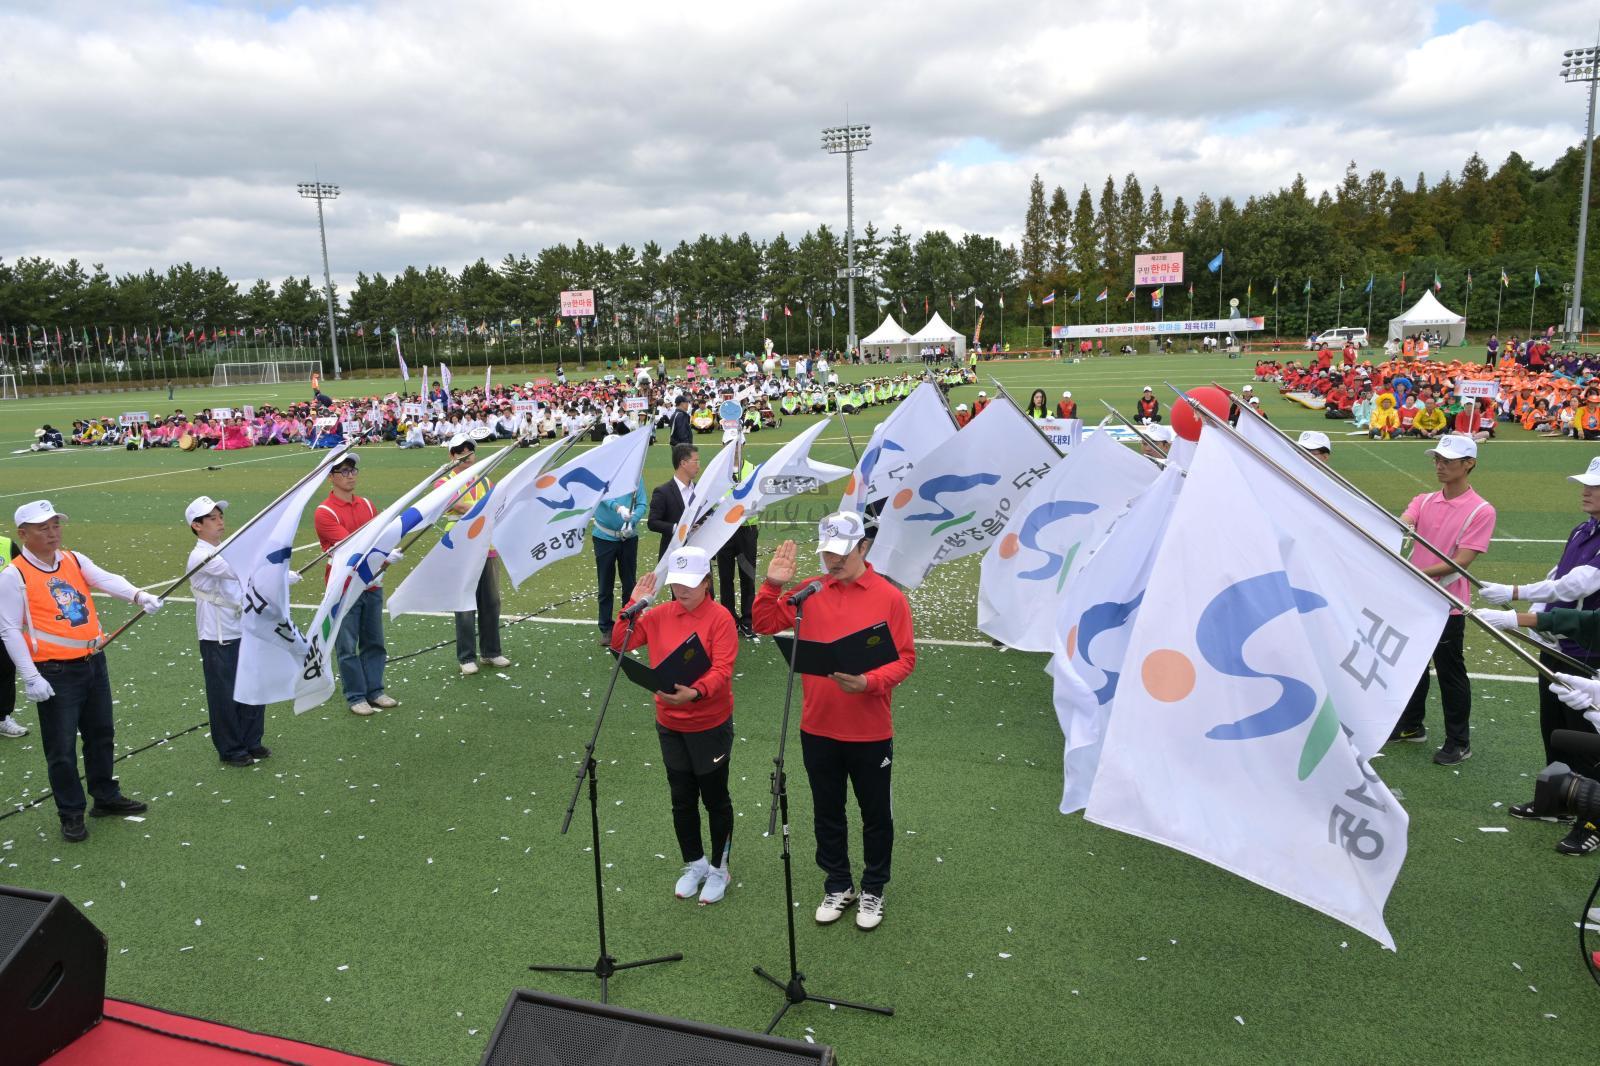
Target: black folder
687	663
861	651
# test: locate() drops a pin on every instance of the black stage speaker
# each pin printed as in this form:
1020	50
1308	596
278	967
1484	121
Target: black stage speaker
52	974
537	1029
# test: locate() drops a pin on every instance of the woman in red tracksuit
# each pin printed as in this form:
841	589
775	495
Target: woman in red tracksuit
693	722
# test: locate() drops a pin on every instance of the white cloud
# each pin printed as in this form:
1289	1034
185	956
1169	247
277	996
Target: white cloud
146	133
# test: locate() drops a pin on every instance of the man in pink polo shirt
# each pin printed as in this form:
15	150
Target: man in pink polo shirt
1458	521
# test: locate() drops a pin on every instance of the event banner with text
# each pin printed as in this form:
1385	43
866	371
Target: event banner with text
1092	330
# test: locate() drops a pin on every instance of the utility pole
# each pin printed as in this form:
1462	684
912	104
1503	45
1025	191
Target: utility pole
848	140
320	191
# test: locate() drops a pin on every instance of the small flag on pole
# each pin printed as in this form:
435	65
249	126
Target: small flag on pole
1103	294
1215	264
1048	300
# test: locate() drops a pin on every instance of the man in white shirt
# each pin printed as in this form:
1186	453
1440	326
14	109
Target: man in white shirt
52	632
218	602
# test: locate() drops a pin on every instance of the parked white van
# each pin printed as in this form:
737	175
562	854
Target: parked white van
1336	338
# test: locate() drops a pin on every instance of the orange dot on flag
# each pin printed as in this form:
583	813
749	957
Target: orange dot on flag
1072	641
545	482
850	486
1009	545
476	527
902	497
1168	675
734	514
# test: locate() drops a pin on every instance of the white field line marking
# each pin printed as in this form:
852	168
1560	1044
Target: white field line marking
138	477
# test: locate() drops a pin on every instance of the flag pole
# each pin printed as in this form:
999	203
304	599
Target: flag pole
1213	419
459	496
1125	420
164	593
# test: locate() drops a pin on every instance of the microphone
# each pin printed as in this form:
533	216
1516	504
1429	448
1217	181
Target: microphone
804	594
636	610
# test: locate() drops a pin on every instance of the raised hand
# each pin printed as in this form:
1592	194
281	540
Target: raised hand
646	587
780	570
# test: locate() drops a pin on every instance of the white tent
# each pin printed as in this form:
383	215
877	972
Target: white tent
1429	314
889	332
936	332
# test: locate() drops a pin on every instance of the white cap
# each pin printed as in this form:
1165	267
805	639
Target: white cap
1590	476
982	393
1255	401
688	567
460	440
961	407
1067	395
1249	388
1147	388
36	511
1159	433
840	532
1455	446
352	457
1313	440
202	506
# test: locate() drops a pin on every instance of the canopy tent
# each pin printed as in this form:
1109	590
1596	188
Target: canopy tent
889	332
1429	314
881	342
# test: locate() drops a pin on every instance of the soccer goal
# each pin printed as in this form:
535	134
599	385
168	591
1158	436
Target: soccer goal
266	373
244	374
8	386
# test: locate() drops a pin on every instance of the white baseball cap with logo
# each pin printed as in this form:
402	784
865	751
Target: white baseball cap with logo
688	566
202	506
35	512
840	532
1313	440
1455	446
1591	476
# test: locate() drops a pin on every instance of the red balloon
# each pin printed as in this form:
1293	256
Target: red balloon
1185	423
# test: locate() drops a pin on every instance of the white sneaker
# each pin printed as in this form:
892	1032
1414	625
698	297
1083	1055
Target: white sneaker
469	669
385	701
694	875
499	661
10	727
870	913
363	708
834	904
716	885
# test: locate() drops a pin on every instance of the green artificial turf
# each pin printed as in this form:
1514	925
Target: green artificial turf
382	884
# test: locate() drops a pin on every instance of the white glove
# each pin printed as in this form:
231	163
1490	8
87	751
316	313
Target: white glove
1496	594
148	603
1496	619
294	578
395	557
1577	692
38	689
622	512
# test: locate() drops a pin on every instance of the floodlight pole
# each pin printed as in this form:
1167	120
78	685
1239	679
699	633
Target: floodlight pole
320	191
1582	64
848	140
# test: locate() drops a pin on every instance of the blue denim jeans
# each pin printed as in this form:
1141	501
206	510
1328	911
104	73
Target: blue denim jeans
81	705
360	649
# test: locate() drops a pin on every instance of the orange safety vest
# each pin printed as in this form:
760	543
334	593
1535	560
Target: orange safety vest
59	622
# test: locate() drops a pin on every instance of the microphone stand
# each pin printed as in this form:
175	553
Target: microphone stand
794	991
605	965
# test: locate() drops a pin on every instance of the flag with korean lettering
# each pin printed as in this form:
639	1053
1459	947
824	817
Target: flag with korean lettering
1310	472
1225	739
789	471
915	427
1381	620
446	579
1025	576
1093	625
962	494
357	563
271	646
548	519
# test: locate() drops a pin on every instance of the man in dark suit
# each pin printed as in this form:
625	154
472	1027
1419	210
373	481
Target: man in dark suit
670	500
682	431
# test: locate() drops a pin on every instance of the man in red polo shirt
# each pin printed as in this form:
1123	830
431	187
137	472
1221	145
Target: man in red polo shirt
846	728
360	646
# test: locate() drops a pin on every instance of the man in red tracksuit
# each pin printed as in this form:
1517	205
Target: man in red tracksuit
846	728
1067	407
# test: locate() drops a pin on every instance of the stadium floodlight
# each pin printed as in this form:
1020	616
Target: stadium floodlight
848	140
1580	65
320	191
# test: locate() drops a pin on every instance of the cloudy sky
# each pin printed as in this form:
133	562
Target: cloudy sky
142	133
